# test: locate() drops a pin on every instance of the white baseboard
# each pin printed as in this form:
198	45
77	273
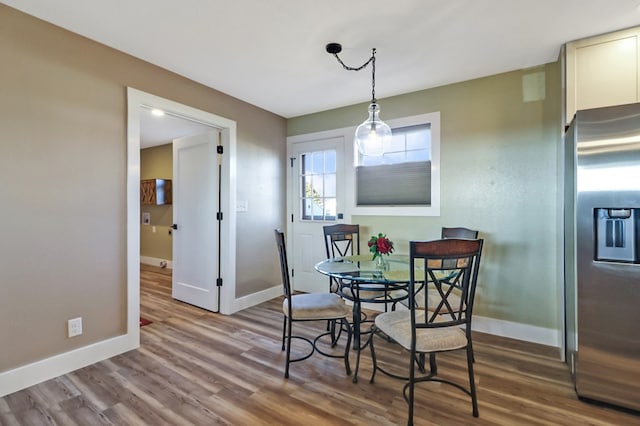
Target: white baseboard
154	261
49	368
256	298
512	330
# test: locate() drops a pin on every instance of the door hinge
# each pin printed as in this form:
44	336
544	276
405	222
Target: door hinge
291	217
292	274
291	160
219	216
219	282
219	149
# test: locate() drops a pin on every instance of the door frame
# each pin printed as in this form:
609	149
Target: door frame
347	135
135	100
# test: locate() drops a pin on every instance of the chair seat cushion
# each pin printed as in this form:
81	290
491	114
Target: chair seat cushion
397	325
316	306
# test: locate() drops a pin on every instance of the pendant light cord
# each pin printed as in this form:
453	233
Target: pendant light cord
372	61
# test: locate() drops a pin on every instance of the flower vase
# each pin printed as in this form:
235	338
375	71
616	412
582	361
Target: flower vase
381	264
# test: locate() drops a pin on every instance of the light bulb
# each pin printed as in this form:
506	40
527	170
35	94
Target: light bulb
372	135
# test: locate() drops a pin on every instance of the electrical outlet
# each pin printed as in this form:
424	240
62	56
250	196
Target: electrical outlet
74	327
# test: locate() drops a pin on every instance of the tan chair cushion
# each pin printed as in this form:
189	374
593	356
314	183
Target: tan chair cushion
316	306
397	325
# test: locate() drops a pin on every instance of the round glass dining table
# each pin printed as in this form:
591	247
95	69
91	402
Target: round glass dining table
362	268
361	280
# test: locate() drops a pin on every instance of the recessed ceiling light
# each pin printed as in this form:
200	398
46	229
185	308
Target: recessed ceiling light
157	112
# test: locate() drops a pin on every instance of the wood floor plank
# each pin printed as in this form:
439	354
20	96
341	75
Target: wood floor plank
199	368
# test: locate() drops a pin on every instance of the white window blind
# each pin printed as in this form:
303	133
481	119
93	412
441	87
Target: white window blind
402	177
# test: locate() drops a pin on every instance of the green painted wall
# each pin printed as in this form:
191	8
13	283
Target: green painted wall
499	167
155	240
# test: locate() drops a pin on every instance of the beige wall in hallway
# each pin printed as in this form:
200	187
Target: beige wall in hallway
63	167
155	240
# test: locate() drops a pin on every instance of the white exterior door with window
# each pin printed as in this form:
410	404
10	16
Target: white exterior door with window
316	198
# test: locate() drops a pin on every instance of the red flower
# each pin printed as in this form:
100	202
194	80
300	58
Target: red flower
384	245
379	245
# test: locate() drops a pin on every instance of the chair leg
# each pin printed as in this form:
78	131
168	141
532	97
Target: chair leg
472	382
433	366
356	336
421	362
411	385
284	330
373	355
289	326
356	324
473	357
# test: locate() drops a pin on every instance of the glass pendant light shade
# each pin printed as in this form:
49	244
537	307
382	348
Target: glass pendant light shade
373	135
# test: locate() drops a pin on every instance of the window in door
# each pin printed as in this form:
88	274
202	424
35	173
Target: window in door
318	185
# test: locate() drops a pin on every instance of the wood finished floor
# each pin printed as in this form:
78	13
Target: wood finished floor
199	368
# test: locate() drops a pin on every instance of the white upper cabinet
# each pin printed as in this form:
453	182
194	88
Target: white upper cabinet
602	71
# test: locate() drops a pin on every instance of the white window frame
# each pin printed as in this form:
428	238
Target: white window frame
324	197
433	119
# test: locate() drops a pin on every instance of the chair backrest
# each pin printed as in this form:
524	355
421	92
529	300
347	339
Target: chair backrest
459	232
284	265
449	266
341	240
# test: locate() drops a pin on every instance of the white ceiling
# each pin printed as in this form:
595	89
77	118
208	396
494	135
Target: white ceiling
271	53
159	130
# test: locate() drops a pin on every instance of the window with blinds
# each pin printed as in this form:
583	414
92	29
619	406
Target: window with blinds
402	176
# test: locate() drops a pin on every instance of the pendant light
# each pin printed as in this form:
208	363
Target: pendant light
374	134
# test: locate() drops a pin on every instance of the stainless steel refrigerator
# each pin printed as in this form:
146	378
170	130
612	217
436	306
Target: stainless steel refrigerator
602	253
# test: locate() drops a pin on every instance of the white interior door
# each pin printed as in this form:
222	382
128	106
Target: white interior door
316	194
195	208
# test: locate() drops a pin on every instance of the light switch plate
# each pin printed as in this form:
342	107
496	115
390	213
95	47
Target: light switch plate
242	205
74	327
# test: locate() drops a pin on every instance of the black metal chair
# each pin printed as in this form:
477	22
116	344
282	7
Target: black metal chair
344	240
455	232
340	240
310	307
443	265
447	233
459	232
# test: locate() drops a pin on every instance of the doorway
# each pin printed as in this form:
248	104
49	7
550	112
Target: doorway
316	188
136	101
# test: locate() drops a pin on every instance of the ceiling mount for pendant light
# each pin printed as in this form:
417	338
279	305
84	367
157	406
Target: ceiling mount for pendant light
374	134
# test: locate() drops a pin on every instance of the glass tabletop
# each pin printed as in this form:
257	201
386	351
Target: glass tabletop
364	268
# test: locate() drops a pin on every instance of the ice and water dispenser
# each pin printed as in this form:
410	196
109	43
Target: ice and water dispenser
617	234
